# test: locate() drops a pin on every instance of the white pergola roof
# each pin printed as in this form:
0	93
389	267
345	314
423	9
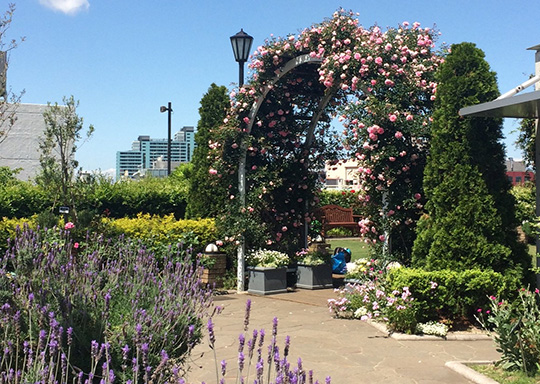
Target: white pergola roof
526	105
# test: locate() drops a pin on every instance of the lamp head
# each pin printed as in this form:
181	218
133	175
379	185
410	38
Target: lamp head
241	45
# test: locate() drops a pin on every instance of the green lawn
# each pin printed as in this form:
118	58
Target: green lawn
359	249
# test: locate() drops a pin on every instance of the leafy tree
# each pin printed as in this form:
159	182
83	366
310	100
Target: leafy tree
63	129
206	200
470	218
526	140
8	100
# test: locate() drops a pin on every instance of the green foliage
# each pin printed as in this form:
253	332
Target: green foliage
451	295
23	199
346	199
470	219
516	330
162	232
205	198
525	196
526	140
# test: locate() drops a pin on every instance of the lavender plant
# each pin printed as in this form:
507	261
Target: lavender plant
108	313
257	365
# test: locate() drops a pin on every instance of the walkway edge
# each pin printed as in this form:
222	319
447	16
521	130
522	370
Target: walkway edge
402	336
469	373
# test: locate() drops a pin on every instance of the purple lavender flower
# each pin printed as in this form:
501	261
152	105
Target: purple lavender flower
327	379
94	348
287	346
241	359
70	336
223	367
274	326
211	336
246	316
241	341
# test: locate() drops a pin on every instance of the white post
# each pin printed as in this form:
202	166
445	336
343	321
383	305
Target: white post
537	159
241	251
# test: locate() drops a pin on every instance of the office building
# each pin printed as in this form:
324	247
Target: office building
147	154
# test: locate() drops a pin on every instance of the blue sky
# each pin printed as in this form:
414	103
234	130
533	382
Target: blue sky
124	59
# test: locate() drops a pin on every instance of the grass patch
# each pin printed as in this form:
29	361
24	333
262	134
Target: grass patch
500	375
359	249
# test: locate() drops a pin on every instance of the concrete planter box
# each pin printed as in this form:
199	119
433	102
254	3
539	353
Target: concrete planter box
267	281
314	276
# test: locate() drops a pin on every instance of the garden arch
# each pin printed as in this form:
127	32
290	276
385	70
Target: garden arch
379	84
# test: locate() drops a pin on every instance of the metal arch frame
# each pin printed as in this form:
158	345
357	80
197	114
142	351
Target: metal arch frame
290	65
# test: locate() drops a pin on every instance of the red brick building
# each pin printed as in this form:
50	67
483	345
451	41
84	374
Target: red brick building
517	172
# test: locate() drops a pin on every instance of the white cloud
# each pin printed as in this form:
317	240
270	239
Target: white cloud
69	7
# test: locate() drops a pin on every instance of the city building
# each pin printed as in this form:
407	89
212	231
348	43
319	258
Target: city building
517	172
19	148
147	155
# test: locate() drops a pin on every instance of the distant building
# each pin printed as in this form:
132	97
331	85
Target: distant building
148	155
341	175
20	149
517	172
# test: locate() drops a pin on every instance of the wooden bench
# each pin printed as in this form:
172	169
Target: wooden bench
334	216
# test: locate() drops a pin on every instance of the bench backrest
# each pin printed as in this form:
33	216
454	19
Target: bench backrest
336	214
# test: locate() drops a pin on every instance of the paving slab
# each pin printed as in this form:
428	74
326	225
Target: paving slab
349	351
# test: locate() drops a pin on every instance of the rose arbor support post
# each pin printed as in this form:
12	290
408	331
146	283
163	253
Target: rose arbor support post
290	65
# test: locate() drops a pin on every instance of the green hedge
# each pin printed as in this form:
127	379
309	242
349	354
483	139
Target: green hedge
456	295
162	231
347	199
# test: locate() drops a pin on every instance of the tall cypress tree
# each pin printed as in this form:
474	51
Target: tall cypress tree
204	200
470	220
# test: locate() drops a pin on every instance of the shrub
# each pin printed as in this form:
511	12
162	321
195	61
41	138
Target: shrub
516	330
70	313
347	199
451	295
160	232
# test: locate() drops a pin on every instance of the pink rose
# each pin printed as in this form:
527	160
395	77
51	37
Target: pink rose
398	135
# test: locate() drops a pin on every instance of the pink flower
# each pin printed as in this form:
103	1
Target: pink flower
212	171
284	229
417	196
378	60
392	118
246	120
69	225
409	117
398	135
76	245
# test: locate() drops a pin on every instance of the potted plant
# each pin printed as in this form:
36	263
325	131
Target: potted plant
314	269
267	271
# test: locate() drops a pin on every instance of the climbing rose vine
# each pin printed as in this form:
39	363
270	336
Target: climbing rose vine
378	84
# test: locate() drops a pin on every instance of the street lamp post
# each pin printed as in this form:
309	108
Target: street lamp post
168	109
241	45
